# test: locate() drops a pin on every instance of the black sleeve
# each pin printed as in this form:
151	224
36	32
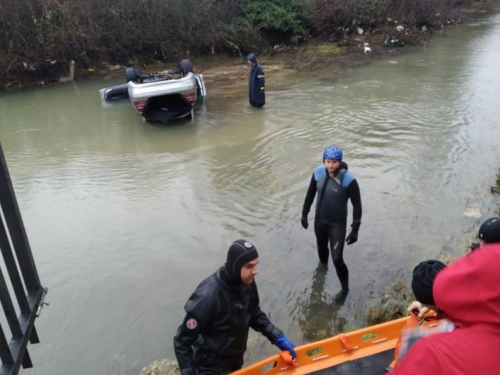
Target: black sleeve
261	323
355	196
259	320
311	193
187	333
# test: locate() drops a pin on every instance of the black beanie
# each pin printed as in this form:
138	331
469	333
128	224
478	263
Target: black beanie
423	278
240	253
489	231
252	58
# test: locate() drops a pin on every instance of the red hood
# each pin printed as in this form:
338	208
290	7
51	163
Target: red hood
468	291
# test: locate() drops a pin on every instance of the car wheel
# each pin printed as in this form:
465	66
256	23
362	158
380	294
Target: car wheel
130	74
186	67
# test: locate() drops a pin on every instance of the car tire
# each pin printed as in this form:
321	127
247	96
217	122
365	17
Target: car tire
133	74
186	67
130	74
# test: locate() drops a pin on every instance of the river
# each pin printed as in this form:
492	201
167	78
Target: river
125	218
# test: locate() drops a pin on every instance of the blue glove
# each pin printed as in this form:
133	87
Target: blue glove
284	344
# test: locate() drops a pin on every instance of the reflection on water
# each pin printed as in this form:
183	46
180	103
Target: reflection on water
125	218
319	312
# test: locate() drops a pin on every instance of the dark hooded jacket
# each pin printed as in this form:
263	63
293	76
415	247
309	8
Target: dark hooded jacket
468	292
213	336
256	83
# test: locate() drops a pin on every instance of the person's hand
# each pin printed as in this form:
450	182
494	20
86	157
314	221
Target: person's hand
352	237
416	308
304	222
475	246
284	344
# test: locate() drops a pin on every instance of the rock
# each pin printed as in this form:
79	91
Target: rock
376	316
161	367
297	39
473	212
399	287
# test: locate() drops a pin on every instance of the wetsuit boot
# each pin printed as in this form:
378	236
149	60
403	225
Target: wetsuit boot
341	296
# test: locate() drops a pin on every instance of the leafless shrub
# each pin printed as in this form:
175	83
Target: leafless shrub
120	30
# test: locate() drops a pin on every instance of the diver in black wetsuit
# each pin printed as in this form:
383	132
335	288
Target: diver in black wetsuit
256	83
213	336
334	185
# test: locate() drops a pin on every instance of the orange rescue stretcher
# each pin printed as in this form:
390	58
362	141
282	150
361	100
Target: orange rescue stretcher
370	350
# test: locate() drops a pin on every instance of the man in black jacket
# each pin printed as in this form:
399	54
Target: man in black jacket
334	185
213	336
256	83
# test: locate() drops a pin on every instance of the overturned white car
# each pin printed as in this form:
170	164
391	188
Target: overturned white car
161	97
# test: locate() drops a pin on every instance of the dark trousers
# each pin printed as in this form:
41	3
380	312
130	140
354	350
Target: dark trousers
333	234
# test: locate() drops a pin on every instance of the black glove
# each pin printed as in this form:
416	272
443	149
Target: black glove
475	246
304	222
353	236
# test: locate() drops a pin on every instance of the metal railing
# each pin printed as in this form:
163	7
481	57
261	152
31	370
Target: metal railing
30	295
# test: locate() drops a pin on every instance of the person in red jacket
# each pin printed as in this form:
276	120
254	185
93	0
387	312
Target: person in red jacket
468	292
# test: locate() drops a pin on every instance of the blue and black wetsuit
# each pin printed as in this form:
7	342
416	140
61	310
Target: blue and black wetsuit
331	213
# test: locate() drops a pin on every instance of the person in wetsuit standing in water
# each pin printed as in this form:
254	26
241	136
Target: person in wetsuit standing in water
334	185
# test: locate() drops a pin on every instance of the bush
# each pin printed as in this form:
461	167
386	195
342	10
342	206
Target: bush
32	31
283	16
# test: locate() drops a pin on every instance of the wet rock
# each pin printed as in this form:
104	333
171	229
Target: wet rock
393	303
399	287
473	212
340	324
445	256
297	39
161	367
496	188
376	316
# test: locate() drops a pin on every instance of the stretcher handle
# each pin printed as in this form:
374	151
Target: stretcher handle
287	357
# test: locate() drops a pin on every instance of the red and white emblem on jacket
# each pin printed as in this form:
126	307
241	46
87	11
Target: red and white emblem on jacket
191	323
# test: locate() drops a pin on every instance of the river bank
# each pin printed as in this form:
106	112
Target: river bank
346	48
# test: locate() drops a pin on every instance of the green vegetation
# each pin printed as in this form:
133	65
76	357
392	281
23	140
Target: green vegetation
324	49
282	16
119	31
